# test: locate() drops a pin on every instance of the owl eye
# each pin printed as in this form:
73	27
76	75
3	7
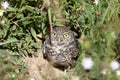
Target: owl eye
66	36
54	35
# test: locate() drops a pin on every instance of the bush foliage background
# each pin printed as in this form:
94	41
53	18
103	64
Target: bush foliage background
97	26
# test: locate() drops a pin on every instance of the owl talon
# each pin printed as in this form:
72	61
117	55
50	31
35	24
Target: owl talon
65	72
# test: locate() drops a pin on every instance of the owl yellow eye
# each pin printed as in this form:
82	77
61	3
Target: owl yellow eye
54	34
66	36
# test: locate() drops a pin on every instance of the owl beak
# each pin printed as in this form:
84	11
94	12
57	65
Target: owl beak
59	40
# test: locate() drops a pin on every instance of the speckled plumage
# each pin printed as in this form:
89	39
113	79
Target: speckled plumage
63	49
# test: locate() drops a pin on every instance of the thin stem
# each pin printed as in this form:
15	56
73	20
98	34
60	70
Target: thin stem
50	23
49	17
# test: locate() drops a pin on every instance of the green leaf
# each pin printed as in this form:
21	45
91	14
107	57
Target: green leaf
33	32
11	9
14	27
9	41
19	15
25	22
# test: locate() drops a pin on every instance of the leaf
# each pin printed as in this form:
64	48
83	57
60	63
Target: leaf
19	15
9	41
33	32
25	22
40	35
14	27
11	9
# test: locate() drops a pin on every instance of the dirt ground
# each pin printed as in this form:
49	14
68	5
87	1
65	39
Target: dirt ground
40	69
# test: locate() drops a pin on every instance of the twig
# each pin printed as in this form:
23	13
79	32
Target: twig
50	23
49	17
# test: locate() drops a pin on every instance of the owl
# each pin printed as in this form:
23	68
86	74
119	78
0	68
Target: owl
61	47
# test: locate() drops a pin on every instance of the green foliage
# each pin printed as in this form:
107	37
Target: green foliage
22	21
19	26
11	66
98	26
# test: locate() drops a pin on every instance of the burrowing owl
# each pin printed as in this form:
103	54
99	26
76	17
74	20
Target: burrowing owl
63	48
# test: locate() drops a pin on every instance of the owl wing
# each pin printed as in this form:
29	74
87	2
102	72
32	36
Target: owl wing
74	49
46	47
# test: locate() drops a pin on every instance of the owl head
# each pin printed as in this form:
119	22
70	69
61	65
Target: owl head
62	35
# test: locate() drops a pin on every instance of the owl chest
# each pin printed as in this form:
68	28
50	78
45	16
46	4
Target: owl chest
58	50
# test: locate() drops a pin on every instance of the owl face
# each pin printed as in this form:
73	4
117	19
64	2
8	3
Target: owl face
61	35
